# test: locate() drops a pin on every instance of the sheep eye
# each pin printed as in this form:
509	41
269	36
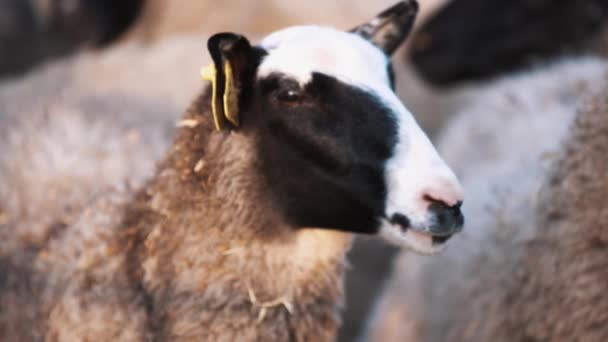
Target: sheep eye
288	96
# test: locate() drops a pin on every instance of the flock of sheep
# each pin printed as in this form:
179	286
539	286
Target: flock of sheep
80	139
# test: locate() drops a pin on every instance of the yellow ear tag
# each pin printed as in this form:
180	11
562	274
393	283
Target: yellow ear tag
231	96
208	73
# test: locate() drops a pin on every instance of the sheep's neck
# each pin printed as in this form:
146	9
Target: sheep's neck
216	239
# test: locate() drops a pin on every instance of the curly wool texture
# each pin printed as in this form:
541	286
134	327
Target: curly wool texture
562	283
530	264
96	245
76	128
189	257
73	135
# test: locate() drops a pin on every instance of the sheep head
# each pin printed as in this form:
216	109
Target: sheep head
335	146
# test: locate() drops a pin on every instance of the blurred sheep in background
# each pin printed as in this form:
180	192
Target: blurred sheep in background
530	146
531	263
477	39
32	31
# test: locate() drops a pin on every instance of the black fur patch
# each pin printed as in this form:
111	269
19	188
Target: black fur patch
391	74
322	151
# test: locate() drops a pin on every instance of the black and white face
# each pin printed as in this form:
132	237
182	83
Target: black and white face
336	147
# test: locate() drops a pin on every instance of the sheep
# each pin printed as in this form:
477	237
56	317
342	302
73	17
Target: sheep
301	131
530	264
507	35
35	31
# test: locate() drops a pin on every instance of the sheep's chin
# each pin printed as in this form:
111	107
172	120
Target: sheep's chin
413	240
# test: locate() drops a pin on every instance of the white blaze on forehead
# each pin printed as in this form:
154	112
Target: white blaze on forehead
299	51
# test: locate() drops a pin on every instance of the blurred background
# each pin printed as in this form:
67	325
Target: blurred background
141	58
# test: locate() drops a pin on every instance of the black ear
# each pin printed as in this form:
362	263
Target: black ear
389	29
230	74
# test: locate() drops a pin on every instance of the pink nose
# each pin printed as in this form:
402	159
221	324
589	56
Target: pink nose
443	190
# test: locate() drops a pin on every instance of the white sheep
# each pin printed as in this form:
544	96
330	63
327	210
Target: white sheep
531	263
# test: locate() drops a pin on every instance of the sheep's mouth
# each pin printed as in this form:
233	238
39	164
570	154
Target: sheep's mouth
419	240
440	240
434	239
427	235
